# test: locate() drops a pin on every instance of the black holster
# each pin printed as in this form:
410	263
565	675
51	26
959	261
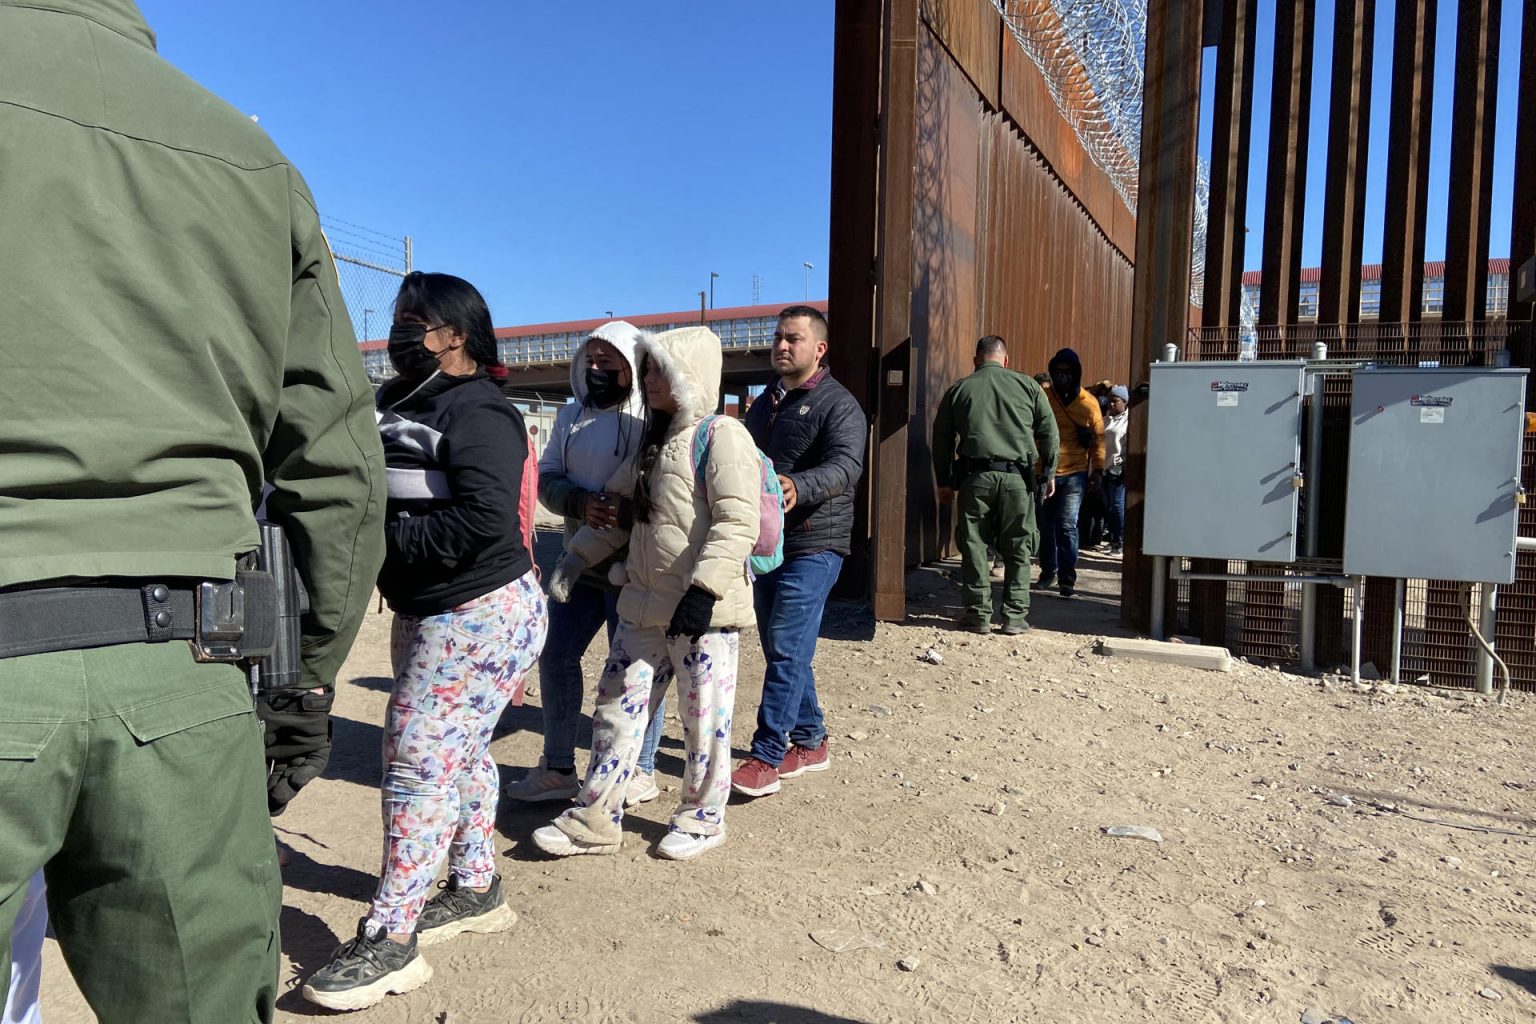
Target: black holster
280	669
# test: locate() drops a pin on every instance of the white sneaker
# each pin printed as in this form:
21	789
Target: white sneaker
553	841
642	788
541	784
676	845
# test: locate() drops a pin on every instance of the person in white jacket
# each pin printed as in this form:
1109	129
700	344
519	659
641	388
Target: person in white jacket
27	933
592	438
686	596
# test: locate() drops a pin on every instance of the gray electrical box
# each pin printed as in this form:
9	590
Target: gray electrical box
1434	474
1223	460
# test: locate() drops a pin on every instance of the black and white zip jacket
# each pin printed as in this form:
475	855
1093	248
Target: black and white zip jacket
454	448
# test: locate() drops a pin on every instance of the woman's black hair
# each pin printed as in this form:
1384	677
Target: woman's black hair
445	299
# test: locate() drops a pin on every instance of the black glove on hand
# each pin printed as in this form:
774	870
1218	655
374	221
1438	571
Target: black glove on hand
298	738
691	619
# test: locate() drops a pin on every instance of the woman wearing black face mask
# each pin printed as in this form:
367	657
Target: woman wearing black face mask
470	622
591	439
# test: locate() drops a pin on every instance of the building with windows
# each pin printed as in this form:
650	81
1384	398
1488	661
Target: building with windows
540	352
1370	290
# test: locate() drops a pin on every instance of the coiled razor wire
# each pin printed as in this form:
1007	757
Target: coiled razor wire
1092	55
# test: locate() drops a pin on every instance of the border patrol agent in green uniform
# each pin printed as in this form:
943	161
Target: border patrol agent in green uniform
174	337
990	431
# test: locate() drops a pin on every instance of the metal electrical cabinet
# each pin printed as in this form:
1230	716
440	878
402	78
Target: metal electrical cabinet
1434	474
1223	460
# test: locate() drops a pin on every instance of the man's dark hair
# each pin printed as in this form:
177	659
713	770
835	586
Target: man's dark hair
811	313
445	299
991	347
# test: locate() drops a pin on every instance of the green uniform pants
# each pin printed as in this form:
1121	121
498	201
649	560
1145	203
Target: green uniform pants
995	511
137	777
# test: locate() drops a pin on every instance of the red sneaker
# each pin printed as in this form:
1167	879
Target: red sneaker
800	760
755	778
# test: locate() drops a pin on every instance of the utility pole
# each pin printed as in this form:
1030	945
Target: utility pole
808	269
367	335
703	316
712	276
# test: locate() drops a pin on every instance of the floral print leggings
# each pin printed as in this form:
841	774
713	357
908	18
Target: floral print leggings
642	662
454	673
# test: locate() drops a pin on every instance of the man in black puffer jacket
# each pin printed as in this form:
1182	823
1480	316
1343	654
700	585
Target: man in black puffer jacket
814	432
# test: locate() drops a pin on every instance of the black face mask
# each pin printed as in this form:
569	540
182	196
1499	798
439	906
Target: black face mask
409	353
604	387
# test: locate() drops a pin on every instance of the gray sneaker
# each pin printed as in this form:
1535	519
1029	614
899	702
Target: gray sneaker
541	784
457	909
365	969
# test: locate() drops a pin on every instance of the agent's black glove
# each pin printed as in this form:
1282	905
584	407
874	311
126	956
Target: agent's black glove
298	739
691	618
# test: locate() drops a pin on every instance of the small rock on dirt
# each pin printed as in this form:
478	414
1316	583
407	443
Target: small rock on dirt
1315	1016
1000	808
931	656
908	963
926	887
858	734
879	711
1488	993
1134	832
1094	940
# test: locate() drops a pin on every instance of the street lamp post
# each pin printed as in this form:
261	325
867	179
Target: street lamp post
367	336
712	276
808	269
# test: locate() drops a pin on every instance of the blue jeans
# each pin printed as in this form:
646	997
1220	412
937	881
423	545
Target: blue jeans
1114	508
1058	529
789	603
572	626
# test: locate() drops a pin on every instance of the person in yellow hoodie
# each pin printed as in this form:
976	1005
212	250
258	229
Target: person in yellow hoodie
1079	468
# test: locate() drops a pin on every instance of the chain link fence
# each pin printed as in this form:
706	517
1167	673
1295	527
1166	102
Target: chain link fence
370	265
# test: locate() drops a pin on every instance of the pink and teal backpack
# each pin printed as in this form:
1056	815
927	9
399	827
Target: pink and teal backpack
768	553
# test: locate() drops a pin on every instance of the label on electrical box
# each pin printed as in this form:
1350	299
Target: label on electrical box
1431	407
1227	391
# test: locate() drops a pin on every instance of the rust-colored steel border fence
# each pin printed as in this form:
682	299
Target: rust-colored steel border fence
970	209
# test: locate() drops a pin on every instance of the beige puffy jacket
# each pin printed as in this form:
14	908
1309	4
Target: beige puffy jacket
694	536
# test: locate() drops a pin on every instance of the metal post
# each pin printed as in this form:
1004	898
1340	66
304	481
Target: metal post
1311	481
1399	602
1486	621
1159	596
408	250
1359	617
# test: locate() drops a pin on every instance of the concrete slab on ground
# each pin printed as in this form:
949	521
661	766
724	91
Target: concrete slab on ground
1213	659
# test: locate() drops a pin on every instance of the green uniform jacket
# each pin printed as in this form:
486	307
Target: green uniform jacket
174	334
995	413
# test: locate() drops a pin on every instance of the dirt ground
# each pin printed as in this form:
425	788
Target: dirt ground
959	838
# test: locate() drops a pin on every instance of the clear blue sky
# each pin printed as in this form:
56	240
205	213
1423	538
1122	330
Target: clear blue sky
1381	92
566	158
576	158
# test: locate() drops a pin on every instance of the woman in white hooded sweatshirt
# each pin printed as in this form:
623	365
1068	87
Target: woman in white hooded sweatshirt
686	596
592	438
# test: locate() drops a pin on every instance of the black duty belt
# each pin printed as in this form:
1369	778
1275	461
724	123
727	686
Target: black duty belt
223	621
991	465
